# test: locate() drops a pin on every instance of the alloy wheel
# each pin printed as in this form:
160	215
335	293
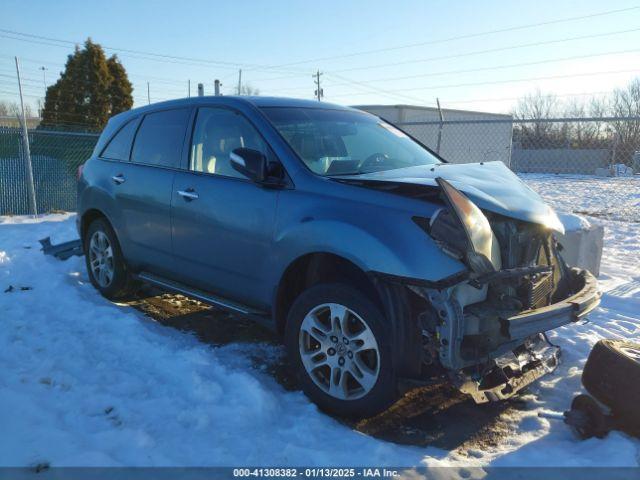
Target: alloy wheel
101	259
339	351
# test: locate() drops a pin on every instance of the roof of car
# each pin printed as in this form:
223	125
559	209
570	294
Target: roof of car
256	101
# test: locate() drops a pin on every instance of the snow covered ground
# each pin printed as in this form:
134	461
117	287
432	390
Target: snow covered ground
87	382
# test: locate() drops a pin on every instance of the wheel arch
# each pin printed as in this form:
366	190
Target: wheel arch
88	217
314	268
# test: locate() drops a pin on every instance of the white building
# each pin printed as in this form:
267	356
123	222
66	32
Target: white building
467	139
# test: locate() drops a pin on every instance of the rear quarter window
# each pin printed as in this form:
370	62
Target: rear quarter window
119	147
160	137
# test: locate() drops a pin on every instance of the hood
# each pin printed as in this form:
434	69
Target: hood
490	185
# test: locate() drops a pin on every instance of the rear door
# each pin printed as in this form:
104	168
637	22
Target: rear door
144	187
223	223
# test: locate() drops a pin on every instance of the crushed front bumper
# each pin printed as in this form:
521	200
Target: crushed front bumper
511	372
553	316
525	356
505	375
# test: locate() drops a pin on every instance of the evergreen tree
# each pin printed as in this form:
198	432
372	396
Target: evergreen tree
89	91
120	90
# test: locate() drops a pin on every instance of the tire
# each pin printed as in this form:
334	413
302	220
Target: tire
612	376
119	283
367	382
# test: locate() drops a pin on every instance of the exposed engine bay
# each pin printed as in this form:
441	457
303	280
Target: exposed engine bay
487	328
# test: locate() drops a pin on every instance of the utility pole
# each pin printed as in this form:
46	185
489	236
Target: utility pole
240	82
25	147
318	93
189	88
148	94
216	87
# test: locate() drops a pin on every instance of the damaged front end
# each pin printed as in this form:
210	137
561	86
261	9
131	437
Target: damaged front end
486	329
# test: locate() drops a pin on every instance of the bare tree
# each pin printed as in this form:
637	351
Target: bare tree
13	109
249	90
4	108
585	134
625	102
537	106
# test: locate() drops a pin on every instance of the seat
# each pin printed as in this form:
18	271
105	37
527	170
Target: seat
220	142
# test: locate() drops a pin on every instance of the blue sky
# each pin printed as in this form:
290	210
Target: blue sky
359	45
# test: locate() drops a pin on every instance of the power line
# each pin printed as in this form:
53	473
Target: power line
377	91
225	64
15	35
504	99
171	81
498	67
462	37
490	50
516	80
481	69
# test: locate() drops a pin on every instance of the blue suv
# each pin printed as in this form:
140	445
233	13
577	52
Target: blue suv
381	265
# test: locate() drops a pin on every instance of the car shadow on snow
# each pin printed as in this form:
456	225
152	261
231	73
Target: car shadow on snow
437	415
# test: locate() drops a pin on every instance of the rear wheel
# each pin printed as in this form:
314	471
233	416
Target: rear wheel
340	351
105	263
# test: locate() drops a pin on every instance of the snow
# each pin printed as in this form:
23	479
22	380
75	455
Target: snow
87	382
573	222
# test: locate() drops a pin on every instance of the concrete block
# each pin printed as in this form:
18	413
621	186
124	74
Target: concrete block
582	243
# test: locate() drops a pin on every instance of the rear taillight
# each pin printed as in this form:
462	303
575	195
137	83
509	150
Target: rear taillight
80	167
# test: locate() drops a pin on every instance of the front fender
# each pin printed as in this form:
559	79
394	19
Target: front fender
411	254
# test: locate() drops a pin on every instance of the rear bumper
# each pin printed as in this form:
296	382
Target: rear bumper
553	316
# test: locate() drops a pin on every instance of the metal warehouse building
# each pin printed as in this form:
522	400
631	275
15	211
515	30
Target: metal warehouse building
464	136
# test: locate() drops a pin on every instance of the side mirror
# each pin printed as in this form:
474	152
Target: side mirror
250	163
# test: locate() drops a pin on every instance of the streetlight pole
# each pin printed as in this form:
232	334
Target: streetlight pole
25	147
44	79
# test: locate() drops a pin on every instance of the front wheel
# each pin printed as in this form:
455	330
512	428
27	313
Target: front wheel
339	347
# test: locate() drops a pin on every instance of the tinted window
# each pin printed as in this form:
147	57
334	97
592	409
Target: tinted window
120	145
217	133
159	139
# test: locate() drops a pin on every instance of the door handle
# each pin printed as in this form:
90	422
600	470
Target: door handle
118	179
188	194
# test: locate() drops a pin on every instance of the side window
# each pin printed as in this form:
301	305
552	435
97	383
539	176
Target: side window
159	139
119	146
216	134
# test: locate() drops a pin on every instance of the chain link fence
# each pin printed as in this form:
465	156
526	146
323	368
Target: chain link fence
55	158
586	146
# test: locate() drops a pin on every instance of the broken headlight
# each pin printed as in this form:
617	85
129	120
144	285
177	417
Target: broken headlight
464	231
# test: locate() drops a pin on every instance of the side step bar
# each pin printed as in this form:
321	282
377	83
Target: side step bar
208	298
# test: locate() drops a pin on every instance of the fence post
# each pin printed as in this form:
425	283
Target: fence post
614	160
440	126
25	148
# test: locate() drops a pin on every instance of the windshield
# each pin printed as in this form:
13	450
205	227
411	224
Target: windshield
342	142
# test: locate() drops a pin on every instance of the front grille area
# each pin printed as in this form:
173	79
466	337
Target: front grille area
538	291
527	245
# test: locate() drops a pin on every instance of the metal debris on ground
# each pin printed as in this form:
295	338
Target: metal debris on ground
61	251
